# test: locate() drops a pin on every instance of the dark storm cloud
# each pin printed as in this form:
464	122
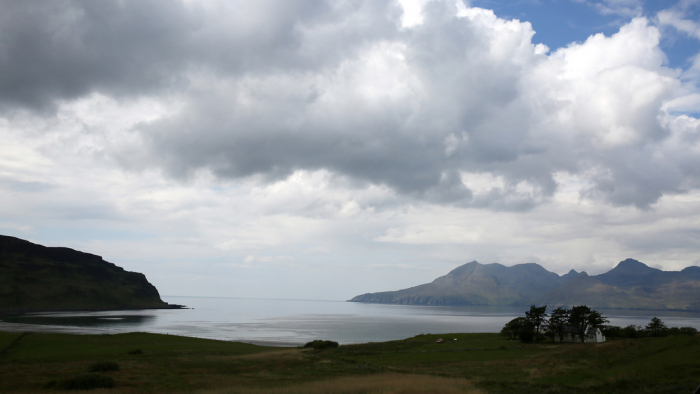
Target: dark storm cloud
274	124
267	88
62	50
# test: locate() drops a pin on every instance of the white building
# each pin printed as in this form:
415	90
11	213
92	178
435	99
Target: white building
593	335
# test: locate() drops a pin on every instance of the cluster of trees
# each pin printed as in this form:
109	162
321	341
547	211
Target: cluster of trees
577	321
561	321
655	328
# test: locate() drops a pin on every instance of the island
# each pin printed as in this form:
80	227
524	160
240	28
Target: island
630	285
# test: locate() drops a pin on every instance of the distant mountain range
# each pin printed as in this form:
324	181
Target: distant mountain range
35	277
630	285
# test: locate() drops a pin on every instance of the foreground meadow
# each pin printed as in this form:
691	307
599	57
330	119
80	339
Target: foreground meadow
464	363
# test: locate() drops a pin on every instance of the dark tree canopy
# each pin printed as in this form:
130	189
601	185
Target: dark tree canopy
656	327
558	321
581	318
538	317
519	327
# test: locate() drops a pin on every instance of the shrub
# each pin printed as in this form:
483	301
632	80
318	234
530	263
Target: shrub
82	382
103	366
612	332
688	330
631	331
526	335
320	345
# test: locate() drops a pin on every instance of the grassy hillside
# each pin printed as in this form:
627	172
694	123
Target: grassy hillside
475	363
34	277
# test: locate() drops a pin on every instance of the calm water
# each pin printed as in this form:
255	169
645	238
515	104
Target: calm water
294	322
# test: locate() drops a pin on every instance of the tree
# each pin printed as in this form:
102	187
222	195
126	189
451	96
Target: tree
656	327
595	319
558	321
537	317
581	318
519	327
512	328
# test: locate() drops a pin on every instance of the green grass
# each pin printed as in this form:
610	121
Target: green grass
63	347
485	363
6	338
670	364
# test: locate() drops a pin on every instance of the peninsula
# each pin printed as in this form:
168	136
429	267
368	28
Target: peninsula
38	278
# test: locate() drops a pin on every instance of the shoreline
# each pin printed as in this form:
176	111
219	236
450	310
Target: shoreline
525	306
24	311
72	330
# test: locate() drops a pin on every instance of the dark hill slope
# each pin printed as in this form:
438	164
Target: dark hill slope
474	284
35	277
631	284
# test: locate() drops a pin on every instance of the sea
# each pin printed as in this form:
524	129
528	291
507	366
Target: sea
294	322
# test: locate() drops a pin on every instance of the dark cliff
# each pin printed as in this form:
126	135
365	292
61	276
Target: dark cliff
35	277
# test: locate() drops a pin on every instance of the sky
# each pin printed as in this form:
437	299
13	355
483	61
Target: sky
312	149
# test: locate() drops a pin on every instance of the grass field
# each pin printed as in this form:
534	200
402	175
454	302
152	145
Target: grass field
474	363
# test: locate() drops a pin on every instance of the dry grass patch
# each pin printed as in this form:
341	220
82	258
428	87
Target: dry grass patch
389	383
292	354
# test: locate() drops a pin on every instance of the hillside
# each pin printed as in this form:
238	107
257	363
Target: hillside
474	284
631	284
35	277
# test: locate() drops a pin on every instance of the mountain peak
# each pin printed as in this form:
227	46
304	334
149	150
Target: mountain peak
632	266
571	274
631	284
692	272
465	269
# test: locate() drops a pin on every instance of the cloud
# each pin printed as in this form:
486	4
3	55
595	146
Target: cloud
54	52
431	234
62	51
624	8
259	144
14	226
448	98
676	19
262	90
24	186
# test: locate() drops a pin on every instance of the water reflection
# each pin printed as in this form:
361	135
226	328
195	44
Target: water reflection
294	322
85	319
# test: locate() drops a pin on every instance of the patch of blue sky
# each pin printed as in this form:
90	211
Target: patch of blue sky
558	23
